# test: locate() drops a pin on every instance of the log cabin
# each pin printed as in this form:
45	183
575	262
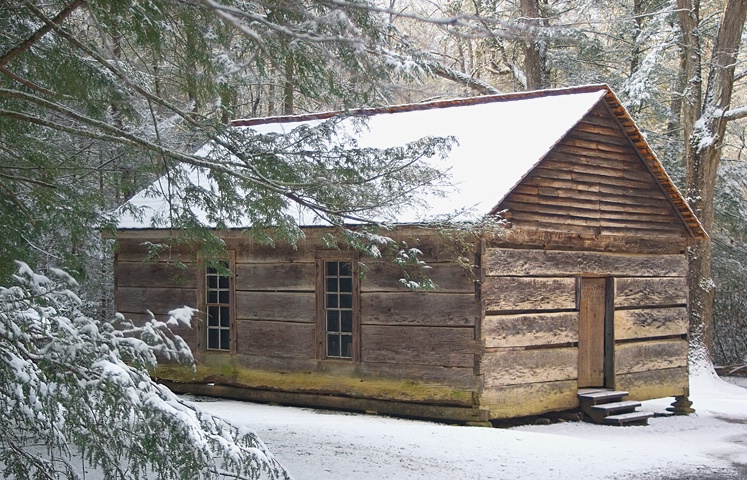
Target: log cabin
581	286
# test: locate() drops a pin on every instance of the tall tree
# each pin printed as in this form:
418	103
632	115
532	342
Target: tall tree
706	113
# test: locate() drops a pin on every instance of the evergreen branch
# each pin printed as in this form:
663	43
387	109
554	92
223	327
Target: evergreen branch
187	116
34	37
26	83
19	203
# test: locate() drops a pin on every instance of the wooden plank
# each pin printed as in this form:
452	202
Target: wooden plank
666	291
533	262
158	300
592	201
532	329
650	322
275	276
419	308
650	355
442	346
149	274
275	339
278	306
515	367
385	276
513	401
591	352
670	382
535	294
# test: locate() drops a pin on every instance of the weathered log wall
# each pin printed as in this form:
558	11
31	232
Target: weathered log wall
415	346
530	329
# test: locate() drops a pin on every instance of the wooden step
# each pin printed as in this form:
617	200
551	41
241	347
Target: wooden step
598	413
632	418
596	397
616	407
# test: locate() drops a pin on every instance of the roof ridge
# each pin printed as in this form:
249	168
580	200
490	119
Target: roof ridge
410	107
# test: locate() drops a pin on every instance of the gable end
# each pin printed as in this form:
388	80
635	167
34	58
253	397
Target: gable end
594	181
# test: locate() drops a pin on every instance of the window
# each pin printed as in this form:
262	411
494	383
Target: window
218	307
338	309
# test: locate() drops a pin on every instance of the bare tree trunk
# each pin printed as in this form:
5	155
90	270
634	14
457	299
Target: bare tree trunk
705	141
535	67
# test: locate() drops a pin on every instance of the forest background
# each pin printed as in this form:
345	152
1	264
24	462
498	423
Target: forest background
99	97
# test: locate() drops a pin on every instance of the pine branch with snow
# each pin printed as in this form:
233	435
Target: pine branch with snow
77	396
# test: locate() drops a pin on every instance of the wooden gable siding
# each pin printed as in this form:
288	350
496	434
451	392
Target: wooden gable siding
593	182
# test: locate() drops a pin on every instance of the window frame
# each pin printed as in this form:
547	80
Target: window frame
322	257
203	328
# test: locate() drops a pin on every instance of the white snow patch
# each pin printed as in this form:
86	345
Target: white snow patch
318	444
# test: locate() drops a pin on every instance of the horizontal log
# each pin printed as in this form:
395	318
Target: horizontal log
650	322
514	262
160	301
441	346
279	306
406	409
419	308
531	329
650	355
510	293
670	382
514	367
518	238
666	291
275	339
236	371
154	274
385	277
276	276
513	401
138	249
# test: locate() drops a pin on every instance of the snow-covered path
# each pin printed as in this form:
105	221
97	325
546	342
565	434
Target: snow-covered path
317	444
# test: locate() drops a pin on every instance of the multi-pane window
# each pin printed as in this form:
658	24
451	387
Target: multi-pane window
218	304
338	308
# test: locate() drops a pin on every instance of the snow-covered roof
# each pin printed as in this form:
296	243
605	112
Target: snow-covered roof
499	138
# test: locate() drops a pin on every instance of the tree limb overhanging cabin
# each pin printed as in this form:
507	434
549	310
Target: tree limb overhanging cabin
586	287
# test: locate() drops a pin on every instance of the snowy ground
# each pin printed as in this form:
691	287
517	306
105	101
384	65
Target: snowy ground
318	444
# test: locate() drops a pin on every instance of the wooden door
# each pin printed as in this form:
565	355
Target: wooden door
592	358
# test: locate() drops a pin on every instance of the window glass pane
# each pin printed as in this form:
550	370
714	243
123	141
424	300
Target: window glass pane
333	345
346	300
213	316
332	268
223	282
332	284
212	339
224	317
212	296
346	346
346	284
212	281
223	297
333	320
332	300
346	269
224	340
347	321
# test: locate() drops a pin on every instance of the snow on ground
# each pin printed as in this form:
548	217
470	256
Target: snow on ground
319	444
